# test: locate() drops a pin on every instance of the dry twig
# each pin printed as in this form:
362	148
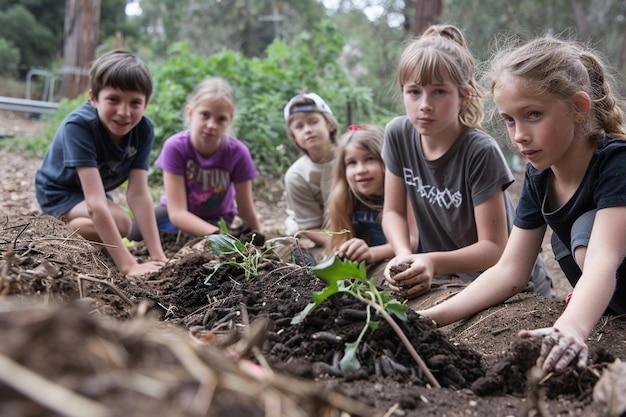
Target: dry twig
48	394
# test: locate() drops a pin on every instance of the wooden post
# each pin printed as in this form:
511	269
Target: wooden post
427	13
82	30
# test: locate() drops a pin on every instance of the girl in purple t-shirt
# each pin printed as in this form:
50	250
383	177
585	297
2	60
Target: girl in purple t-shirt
207	174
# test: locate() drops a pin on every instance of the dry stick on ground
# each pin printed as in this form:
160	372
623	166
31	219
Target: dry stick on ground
116	290
381	310
215	371
48	394
477	323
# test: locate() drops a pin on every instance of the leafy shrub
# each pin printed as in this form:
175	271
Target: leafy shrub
9	57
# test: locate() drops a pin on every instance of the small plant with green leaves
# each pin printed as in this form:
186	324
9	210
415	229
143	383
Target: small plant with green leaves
247	255
350	277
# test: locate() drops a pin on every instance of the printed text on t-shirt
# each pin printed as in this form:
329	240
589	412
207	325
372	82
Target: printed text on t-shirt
207	186
435	196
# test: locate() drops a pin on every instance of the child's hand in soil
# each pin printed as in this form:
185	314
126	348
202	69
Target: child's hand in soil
145	268
355	249
409	276
559	348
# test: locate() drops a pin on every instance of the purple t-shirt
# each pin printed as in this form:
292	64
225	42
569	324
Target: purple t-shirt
209	182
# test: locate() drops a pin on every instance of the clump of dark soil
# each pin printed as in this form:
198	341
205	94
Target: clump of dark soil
313	348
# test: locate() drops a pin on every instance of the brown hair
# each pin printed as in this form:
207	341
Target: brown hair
342	200
442	51
212	88
120	70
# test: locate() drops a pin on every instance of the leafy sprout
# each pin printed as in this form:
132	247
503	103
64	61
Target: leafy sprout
345	276
350	277
246	255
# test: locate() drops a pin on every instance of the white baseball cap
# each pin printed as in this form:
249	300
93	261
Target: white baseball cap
319	105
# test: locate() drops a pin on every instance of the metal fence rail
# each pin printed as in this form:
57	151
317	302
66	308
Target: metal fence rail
27	105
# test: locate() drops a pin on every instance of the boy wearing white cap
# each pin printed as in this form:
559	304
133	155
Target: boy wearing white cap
313	129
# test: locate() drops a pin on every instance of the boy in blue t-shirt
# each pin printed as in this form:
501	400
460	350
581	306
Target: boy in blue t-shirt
97	147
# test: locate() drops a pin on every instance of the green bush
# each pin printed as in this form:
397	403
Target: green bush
9	57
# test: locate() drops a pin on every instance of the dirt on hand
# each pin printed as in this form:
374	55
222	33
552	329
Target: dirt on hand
207	337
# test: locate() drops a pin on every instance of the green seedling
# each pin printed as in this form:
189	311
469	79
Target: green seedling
246	256
350	277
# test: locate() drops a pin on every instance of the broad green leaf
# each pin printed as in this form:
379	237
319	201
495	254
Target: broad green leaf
335	269
396	308
225	244
349	277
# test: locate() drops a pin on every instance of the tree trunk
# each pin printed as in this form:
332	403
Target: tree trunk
427	13
582	24
82	29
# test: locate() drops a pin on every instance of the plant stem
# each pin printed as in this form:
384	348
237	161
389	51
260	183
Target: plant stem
404	339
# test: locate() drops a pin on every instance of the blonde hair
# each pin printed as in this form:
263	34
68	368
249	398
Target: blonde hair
330	120
343	200
561	68
212	88
442	51
447	31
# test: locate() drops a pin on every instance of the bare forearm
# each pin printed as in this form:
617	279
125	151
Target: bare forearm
381	253
589	300
473	258
249	215
146	222
397	233
484	292
192	224
109	235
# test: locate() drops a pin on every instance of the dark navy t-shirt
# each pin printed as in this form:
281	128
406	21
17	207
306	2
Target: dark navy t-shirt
83	141
604	185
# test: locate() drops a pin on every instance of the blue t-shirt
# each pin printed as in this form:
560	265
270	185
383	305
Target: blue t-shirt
83	141
604	185
367	226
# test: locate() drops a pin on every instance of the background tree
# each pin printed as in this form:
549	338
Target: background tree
209	26
35	28
82	30
427	13
375	35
